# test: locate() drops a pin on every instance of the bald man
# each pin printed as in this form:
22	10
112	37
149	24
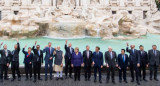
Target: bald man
134	60
111	63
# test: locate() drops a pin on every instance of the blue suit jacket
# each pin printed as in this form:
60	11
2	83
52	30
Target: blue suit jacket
98	59
122	64
48	55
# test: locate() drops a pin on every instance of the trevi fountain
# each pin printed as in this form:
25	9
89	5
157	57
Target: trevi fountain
82	22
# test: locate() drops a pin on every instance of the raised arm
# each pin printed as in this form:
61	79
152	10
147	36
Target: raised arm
33	48
24	49
18	45
65	46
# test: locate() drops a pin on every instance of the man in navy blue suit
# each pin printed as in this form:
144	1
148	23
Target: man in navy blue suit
122	65
48	60
134	61
98	63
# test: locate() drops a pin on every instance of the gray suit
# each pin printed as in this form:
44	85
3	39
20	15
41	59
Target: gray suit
154	57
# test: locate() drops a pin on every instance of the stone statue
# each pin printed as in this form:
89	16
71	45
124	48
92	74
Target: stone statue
95	2
69	3
36	1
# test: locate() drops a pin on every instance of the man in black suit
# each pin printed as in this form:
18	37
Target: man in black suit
134	61
122	65
87	59
69	50
4	62
37	60
15	61
111	62
144	62
154	57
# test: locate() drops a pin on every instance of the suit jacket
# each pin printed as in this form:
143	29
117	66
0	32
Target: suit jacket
37	57
143	57
133	57
27	58
97	59
68	54
154	59
48	55
5	59
15	54
122	64
111	62
87	61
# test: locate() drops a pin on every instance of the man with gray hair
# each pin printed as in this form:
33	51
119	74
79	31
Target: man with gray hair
111	63
87	59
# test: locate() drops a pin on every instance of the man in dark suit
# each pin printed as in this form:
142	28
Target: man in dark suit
15	61
154	57
48	60
4	62
97	59
69	50
87	59
111	62
122	65
37	60
134	61
144	62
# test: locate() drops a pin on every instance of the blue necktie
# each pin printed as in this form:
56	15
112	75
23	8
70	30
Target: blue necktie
123	59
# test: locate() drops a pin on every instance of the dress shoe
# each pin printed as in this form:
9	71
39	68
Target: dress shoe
12	79
113	82
107	81
145	80
138	83
85	79
57	79
89	79
30	78
61	78
19	79
39	79
132	80
140	79
34	80
46	79
6	78
151	79
26	79
125	81
156	79
95	81
100	81
51	78
120	81
71	77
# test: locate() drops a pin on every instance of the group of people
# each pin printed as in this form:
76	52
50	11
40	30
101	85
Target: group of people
137	62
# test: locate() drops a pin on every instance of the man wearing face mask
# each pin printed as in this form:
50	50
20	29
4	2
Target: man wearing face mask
4	62
15	61
37	61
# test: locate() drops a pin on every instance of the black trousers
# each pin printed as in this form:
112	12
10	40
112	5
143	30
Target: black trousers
95	72
134	68
28	69
112	70
77	71
36	69
15	68
87	70
3	68
153	68
122	70
142	69
68	66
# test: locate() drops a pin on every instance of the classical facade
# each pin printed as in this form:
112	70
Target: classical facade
133	6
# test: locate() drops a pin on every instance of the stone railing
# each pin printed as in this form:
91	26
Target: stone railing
130	3
145	3
16	2
2	2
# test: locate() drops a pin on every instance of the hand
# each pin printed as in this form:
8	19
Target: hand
25	46
147	65
7	64
107	66
82	65
127	67
17	40
46	46
50	58
1	43
116	65
30	62
66	41
127	44
101	66
71	65
138	65
61	65
93	63
119	67
55	48
35	42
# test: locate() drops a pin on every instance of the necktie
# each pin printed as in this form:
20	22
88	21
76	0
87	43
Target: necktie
49	50
123	58
70	50
133	50
155	52
87	54
111	54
